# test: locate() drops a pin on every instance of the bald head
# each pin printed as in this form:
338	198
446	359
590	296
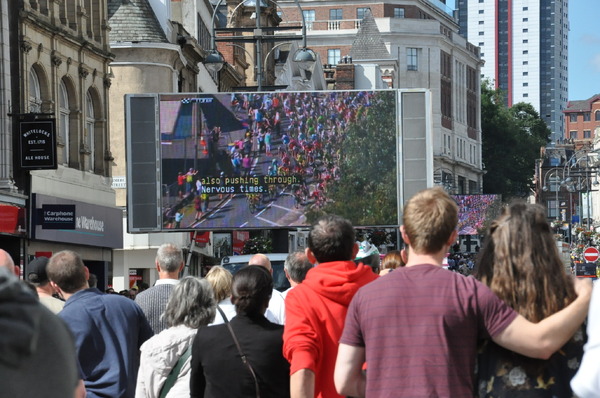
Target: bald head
7	262
262	261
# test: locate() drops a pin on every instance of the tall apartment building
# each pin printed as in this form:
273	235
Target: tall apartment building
414	44
524	46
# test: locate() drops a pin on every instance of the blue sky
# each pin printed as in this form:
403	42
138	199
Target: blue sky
584	49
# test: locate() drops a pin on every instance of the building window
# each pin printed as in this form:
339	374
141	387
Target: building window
587	134
597	116
525	19
481	44
309	18
63	120
480	33
573	117
35	93
398	12
525	30
525	73
480	22
552	206
586	116
90	122
525	62
525	95
333	56
573	135
335	14
412	60
525	52
361	12
481	11
525	41
525	84
525	8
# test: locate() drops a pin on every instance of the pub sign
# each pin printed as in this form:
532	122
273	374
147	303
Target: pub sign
37	144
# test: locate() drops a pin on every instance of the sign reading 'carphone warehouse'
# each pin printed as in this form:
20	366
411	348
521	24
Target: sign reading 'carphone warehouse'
37	144
58	217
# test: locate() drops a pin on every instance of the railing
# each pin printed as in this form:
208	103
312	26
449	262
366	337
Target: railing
328	24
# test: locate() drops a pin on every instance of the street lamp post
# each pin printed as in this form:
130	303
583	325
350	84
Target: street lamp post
578	172
557	183
304	57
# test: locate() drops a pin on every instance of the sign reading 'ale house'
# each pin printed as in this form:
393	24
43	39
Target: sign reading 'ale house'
37	144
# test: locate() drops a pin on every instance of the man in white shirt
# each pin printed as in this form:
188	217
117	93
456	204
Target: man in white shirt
276	310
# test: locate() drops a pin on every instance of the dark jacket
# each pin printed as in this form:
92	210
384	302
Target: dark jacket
218	371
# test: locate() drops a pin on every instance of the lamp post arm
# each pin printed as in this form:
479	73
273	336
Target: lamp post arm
275	47
212	26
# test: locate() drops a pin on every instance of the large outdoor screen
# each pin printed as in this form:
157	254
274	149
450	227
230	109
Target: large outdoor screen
225	161
476	212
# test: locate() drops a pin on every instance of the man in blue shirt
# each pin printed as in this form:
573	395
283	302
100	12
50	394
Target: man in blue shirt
108	329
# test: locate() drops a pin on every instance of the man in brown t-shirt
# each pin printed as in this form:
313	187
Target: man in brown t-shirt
418	327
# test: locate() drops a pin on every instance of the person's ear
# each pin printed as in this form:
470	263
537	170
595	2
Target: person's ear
310	256
453	238
55	287
355	250
404	235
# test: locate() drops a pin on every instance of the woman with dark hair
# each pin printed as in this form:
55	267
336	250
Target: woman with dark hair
521	264
191	305
218	369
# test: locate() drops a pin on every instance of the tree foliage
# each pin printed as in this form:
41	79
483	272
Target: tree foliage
258	244
511	143
366	192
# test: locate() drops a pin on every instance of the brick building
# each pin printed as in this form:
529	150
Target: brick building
582	120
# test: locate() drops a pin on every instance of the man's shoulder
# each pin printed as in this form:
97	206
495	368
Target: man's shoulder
155	291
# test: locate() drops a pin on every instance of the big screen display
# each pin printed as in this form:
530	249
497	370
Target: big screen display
277	159
476	212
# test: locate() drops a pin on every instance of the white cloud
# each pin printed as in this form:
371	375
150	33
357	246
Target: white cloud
595	62
590	39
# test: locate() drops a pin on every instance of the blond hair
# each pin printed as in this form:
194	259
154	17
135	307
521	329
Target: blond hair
220	280
429	219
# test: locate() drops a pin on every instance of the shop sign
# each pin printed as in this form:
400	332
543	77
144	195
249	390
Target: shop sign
12	219
94	225
37	144
58	217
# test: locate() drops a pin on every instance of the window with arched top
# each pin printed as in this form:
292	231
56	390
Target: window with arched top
35	93
597	116
90	122
64	113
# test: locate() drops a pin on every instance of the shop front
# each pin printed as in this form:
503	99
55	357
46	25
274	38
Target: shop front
91	230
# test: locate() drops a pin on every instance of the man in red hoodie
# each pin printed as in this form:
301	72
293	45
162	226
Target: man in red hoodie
316	308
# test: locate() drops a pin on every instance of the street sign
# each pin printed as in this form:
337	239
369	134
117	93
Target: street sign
591	254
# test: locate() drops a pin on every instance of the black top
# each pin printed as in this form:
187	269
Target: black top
218	370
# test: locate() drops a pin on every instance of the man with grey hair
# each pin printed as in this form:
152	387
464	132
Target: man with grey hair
276	310
296	266
108	329
153	301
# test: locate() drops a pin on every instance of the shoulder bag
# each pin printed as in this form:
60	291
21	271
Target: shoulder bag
242	355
